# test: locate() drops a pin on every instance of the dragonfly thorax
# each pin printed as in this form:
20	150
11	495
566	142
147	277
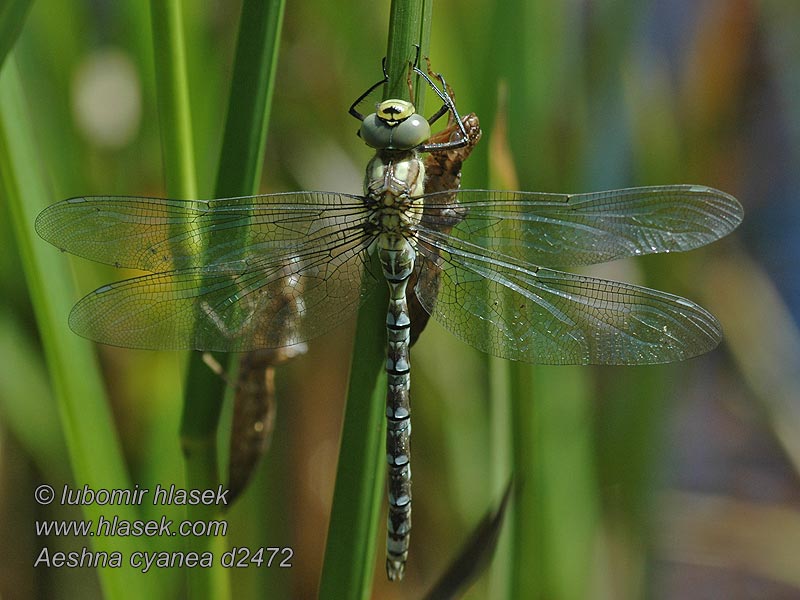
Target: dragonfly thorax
393	185
394	182
394	126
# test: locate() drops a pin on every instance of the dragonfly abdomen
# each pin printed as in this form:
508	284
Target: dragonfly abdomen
397	261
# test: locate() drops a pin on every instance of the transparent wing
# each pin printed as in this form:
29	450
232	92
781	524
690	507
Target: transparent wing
236	306
568	230
544	316
157	234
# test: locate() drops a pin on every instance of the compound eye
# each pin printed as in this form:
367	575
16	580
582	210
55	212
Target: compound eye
410	133
393	111
375	132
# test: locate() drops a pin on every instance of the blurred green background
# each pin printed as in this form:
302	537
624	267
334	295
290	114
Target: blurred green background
677	481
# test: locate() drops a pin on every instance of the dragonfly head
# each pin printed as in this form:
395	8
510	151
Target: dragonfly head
395	126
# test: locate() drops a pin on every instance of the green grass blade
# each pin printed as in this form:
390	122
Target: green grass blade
405	26
175	121
12	18
238	174
33	422
253	84
350	549
88	426
555	513
172	95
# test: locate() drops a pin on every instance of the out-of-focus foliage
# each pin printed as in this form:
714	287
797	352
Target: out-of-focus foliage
678	481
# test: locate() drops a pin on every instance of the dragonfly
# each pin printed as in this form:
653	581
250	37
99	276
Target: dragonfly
276	270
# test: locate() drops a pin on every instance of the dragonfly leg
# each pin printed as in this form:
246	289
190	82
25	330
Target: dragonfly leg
410	86
448	106
448	97
353	110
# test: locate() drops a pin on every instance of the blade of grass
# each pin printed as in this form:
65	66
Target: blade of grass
405	30
172	95
350	549
239	174
12	18
348	568
553	513
175	123
33	422
88	426
252	87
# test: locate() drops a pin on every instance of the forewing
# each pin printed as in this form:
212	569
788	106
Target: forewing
234	306
158	235
544	316
568	230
